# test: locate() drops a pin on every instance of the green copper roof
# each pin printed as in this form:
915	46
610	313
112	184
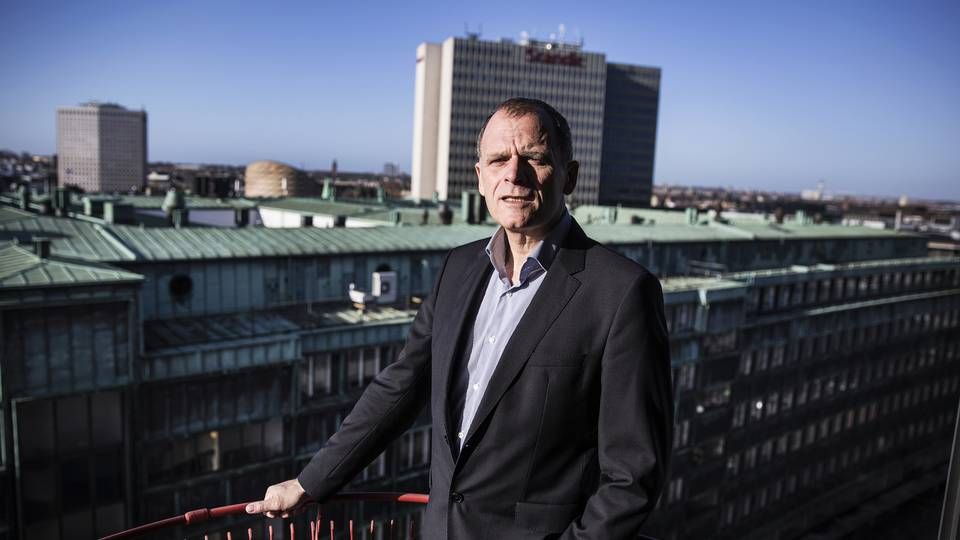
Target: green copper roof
69	237
214	243
20	267
369	211
76	238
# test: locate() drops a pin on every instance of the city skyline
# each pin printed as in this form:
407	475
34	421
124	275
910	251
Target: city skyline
753	95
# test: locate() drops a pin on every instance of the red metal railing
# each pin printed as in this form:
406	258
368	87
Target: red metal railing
317	530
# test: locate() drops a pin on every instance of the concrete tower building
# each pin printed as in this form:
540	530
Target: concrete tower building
101	147
461	80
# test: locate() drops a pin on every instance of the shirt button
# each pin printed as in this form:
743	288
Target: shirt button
456	497
491	339
476	386
460	435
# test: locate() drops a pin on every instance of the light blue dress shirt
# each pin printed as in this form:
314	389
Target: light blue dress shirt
501	309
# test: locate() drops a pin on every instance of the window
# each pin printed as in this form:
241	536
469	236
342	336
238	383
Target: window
772	403
414	448
687	376
377	469
739	414
316	375
746	362
786	400
675	490
802	394
682	435
362	366
733	465
756	410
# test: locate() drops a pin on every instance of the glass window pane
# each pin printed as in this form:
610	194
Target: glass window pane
75	483
35	430
107	419
108	471
73	432
39	494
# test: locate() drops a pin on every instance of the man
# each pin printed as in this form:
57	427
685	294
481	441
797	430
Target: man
545	360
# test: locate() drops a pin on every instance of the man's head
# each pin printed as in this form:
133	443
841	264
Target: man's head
525	165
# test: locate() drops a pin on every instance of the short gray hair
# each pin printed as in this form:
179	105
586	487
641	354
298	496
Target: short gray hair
560	140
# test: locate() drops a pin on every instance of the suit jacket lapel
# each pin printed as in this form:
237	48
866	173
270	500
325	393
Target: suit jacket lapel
458	312
557	288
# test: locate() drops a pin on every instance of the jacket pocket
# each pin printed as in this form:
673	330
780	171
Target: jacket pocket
545	518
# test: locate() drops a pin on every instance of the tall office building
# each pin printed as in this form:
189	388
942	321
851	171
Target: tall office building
611	108
101	147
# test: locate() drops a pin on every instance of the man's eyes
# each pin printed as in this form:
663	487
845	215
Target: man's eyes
535	160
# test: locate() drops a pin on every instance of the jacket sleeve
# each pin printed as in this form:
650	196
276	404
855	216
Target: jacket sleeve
388	406
635	430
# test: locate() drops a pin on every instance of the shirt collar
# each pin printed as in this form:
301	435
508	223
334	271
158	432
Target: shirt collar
542	255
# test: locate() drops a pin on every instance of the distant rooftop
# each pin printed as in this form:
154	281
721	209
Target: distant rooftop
101	105
112	243
372	212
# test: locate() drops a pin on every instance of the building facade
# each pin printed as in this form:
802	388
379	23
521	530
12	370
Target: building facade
101	147
459	82
150	371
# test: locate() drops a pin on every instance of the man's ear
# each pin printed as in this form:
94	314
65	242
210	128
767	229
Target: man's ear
476	167
572	169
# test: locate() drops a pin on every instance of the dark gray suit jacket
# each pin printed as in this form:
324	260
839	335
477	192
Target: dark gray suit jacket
573	434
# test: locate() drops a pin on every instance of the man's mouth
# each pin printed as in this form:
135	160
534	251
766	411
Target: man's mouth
516	198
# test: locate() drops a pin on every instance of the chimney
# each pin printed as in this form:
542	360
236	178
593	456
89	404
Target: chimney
41	246
693	216
180	217
24	196
61	200
115	212
466	207
446	215
241	217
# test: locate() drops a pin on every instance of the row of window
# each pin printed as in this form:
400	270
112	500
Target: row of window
208	404
814	474
803	293
850	378
228	448
329	373
834	424
845	340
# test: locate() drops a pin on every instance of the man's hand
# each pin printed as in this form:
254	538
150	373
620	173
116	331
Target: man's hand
280	499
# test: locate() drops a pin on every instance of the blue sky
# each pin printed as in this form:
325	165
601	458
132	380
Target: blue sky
864	95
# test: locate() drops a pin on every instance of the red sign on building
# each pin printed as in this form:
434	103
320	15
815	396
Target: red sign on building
560	58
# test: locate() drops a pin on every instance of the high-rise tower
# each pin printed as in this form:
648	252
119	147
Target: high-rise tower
459	82
101	147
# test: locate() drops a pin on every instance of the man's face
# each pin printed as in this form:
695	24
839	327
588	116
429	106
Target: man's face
519	176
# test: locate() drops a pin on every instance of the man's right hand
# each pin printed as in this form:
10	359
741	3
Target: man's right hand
280	499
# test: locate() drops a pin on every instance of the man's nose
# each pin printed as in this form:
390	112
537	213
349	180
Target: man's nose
517	171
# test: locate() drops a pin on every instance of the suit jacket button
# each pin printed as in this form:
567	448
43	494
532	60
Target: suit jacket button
456	497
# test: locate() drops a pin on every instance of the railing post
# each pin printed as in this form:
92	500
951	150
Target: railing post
950	518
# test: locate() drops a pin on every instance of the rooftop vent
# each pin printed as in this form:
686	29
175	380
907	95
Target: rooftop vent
41	246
